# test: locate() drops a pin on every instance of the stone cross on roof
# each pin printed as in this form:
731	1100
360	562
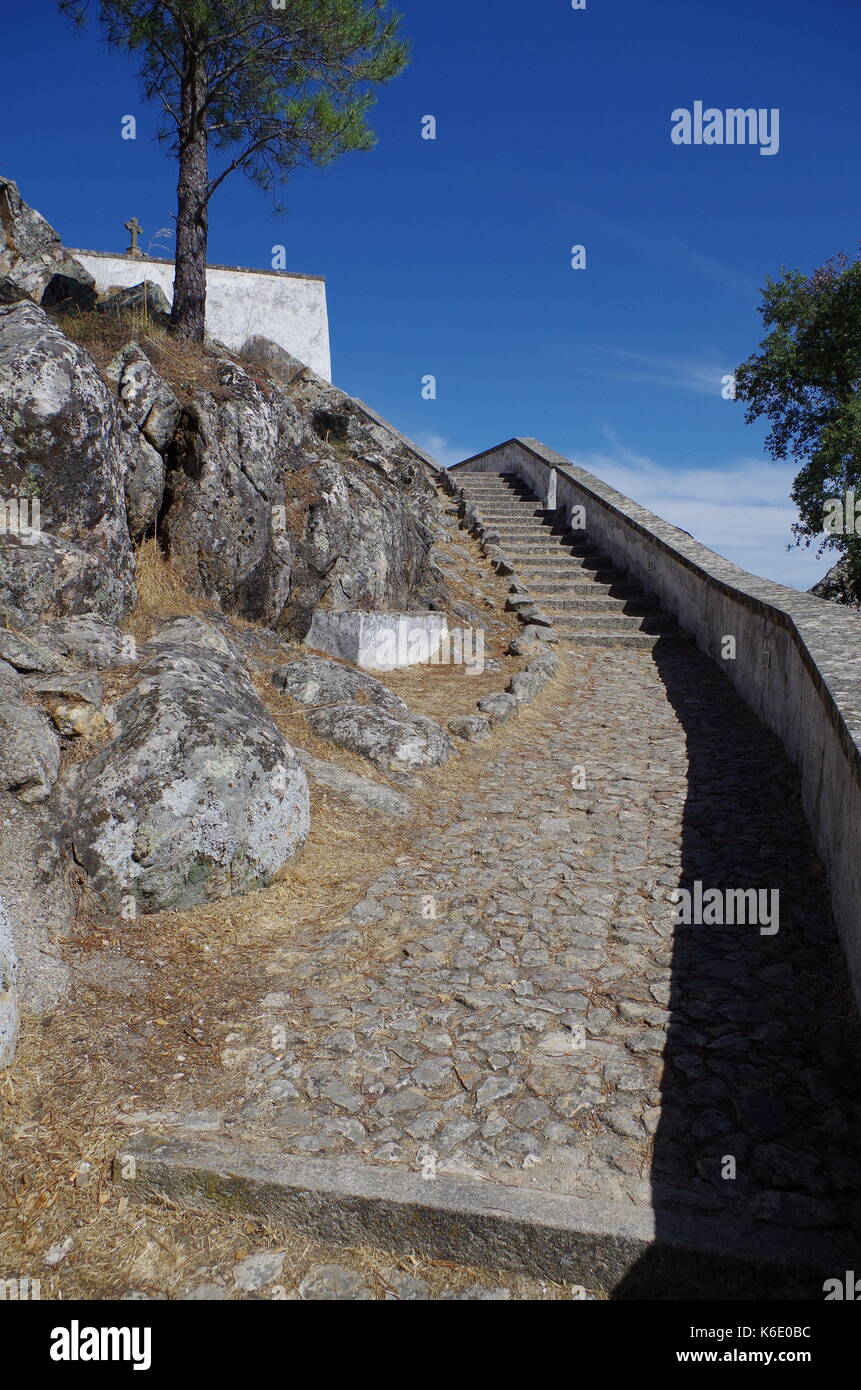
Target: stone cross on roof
134	228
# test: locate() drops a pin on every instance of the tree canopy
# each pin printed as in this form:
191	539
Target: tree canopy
271	85
806	379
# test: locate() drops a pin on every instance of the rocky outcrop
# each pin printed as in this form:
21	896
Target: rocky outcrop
225	480
198	795
277	500
146	298
38	901
840	585
392	744
362	715
61	443
314	680
33	261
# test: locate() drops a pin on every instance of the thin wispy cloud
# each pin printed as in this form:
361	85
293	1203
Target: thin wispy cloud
742	510
704	378
671	250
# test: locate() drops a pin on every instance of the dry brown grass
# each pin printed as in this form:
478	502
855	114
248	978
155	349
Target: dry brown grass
162	591
187	367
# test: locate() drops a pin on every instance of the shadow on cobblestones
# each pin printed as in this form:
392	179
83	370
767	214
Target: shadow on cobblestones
760	1110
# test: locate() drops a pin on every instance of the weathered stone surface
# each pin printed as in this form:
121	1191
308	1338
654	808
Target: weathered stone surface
143	481
151	404
39	904
198	632
27	655
52	576
333	1282
359	791
198	795
89	641
314	680
224	482
29	747
146	298
498	707
528	684
392	743
284	367
255	1272
473	727
10	291
8	990
61	441
33	260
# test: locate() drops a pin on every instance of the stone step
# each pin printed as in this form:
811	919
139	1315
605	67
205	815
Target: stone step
573	571
612	622
516	512
574	588
647	640
625	608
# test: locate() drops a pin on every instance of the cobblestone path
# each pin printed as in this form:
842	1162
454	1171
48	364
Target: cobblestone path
513	999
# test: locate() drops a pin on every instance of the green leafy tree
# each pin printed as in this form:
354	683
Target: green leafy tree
806	379
272	85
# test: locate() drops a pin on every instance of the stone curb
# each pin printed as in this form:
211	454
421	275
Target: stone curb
594	1244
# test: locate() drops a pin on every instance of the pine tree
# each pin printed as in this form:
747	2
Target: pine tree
273	85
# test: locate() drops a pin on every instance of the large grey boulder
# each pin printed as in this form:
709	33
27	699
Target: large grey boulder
393	744
8	990
198	796
61	441
192	629
258	351
314	680
33	259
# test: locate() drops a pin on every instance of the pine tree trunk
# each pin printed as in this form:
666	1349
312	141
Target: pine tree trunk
188	316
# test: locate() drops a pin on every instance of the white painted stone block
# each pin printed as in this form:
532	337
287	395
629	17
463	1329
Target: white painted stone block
379	641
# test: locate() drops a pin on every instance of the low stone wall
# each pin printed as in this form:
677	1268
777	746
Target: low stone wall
797	658
289	309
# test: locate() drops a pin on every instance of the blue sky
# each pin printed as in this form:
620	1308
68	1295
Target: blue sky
452	257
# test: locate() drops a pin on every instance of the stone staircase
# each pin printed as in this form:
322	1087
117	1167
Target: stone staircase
587	601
